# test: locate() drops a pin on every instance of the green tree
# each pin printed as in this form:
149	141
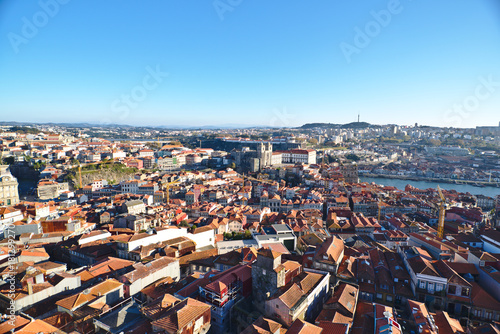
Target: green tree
39	165
352	157
8	160
435	142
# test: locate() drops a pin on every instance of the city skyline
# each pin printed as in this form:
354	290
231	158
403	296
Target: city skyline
250	166
284	65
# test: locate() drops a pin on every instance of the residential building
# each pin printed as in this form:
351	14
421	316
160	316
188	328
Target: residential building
108	292
168	314
145	274
223	292
302	298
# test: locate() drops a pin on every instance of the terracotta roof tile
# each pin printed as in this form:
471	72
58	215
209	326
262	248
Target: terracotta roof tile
302	327
38	326
291	296
181	314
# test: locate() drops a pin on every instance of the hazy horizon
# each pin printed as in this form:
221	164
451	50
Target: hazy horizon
252	63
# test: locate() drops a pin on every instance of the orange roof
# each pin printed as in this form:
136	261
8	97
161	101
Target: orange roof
75	301
181	315
291	296
302	327
7	326
38	326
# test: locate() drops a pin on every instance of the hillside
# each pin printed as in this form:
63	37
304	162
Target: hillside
113	173
353	125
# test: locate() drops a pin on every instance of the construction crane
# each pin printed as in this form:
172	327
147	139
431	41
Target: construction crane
80	175
379	209
271	182
167	186
442	212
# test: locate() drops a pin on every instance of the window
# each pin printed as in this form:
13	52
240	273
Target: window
430	287
465	291
389	298
422	284
439	287
452	289
379	296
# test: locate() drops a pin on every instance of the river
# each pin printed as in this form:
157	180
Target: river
463	188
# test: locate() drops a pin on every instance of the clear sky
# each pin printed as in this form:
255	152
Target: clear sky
250	62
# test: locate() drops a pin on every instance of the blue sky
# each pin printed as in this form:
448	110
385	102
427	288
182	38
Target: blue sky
279	63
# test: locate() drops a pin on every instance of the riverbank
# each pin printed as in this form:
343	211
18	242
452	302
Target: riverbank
478	184
420	184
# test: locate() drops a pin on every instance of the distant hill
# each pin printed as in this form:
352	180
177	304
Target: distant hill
319	125
353	125
127	126
356	125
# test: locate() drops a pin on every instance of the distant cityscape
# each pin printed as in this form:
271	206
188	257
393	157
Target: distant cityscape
122	229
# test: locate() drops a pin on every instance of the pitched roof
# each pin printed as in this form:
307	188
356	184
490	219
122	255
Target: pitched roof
482	299
269	253
309	281
38	326
262	326
7	326
346	295
80	299
291	296
302	327
332	248
446	324
181	315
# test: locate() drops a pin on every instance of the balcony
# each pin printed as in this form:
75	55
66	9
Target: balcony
441	293
298	305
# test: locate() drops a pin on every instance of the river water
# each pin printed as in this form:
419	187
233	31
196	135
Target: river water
463	188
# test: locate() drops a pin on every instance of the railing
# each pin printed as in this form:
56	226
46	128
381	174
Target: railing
460	298
441	293
298	304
